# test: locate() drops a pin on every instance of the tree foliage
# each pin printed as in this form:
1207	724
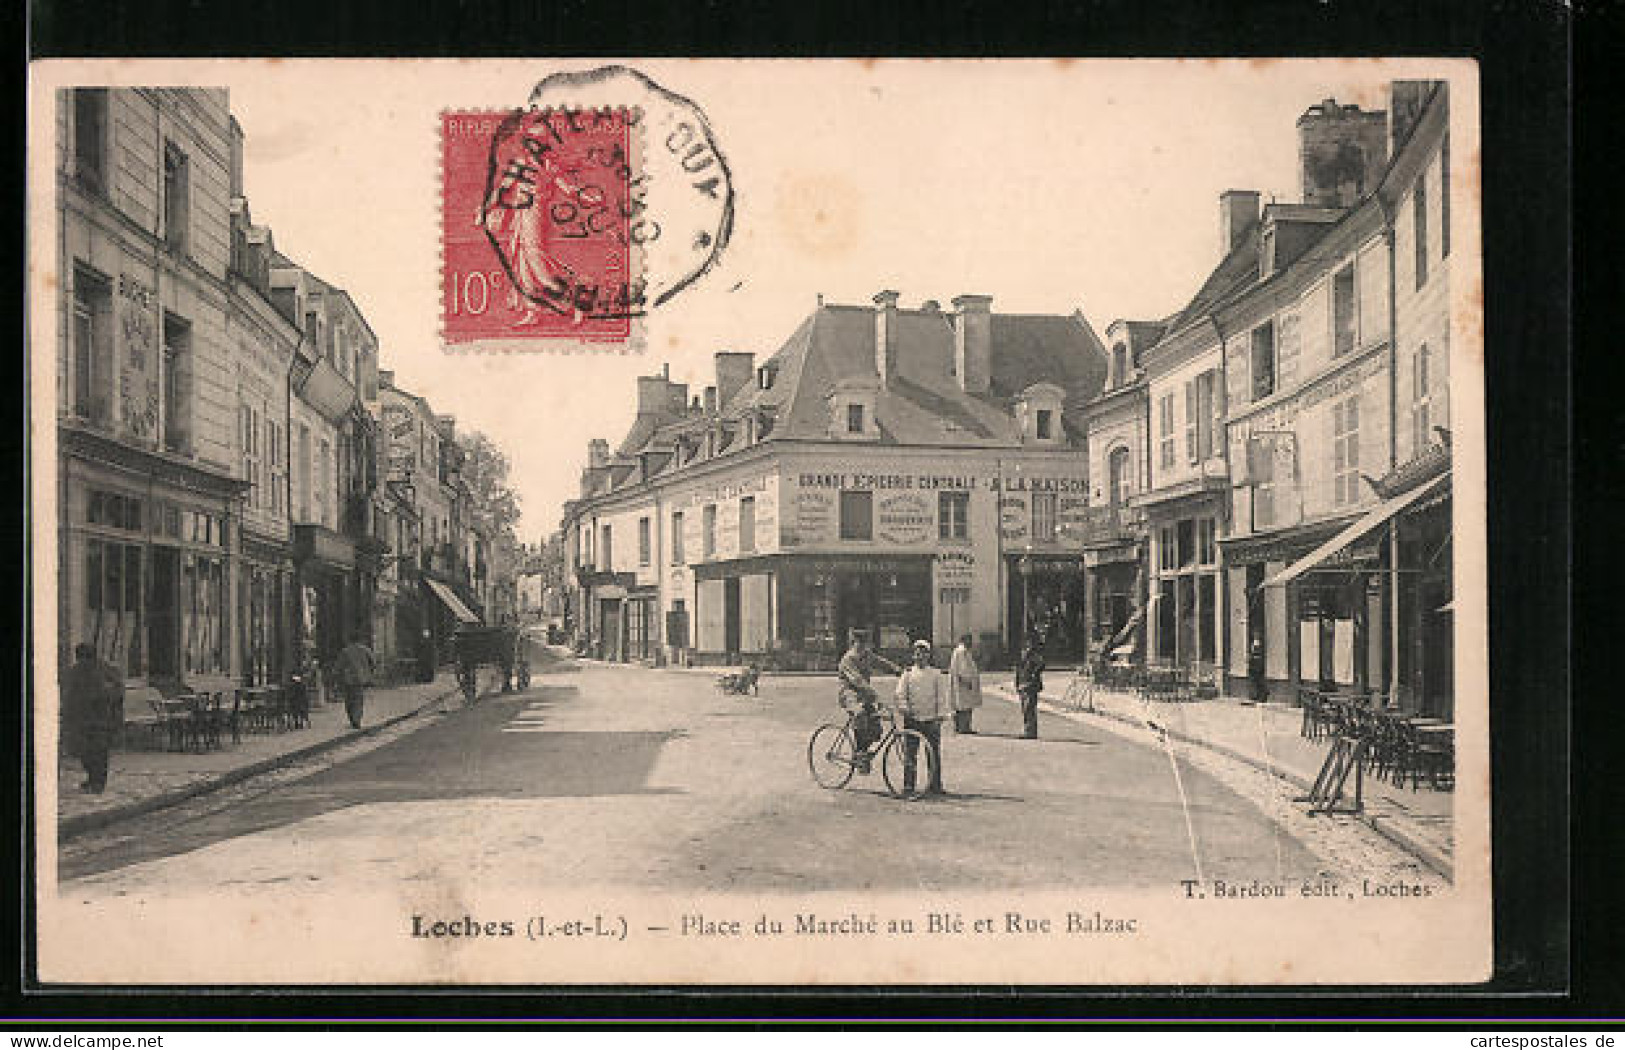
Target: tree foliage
485	472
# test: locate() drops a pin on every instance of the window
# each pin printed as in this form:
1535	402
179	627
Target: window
276	476
90	138
177	199
177	374
92	331
1165	428
1261	468
1263	361
1346	451
606	547
953	515
1421	400
324	482
1118	478
1207	546
857	515
1119	364
677	538
1343	311
203	614
708	531
1207	425
1045	424
1044	517
747	523
1419	220
113	605
302	473
1191	416
1165	549
248	435
645	542
1185	536
1444	198
854	419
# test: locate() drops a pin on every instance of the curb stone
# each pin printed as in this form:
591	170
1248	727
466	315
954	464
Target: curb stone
73	827
1435	860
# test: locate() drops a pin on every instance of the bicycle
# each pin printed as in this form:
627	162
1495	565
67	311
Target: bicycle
831	755
1080	691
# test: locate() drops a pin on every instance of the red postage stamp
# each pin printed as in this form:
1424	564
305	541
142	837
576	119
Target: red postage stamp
540	227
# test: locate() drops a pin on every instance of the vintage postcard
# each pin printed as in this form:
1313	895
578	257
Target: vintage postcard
758	522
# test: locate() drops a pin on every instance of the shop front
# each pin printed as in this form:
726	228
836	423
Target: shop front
1114	583
265	591
1372	602
331	610
1184	628
147	560
1047	600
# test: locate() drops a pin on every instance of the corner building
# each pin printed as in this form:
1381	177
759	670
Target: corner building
909	473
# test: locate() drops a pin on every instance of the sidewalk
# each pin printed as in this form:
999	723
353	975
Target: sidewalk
1267	737
141	781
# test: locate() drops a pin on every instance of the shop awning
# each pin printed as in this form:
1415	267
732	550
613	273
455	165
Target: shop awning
1381	514
449	599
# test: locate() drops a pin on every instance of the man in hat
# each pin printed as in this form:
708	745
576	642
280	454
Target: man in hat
1029	683
92	710
854	671
922	700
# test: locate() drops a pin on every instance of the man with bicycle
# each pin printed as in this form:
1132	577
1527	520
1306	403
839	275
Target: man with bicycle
854	671
922	701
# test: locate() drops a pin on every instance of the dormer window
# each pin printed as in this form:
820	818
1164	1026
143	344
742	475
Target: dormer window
852	409
765	376
1038	414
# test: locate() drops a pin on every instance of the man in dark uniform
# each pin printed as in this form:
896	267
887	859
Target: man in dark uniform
1029	683
92	710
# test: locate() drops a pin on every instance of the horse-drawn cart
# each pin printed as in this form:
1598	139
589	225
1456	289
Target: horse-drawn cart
500	647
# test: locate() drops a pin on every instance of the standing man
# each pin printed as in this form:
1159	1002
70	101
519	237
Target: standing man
354	669
92	712
854	671
922	700
1255	671
964	685
1029	683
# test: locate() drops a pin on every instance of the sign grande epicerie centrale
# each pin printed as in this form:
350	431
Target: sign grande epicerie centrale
1010	481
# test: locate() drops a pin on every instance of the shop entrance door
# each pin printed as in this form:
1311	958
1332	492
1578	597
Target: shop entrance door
163	634
854	608
730	615
609	614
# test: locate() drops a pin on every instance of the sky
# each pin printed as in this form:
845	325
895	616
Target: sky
1051	186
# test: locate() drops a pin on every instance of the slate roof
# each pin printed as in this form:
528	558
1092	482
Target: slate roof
1236	272
921	403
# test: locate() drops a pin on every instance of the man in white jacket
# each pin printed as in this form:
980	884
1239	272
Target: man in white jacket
964	685
922	700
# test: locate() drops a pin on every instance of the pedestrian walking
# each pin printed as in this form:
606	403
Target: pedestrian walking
964	685
1255	671
1029	683
92	713
922	700
354	669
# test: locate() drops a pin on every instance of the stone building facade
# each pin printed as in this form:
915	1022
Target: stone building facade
901	473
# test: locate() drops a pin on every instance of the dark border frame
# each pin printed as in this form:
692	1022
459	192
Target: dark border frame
1524	49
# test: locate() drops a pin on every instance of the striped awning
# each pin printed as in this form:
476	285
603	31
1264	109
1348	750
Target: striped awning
1378	516
449	599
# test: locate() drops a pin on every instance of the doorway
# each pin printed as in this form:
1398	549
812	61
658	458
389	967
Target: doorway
163	633
730	616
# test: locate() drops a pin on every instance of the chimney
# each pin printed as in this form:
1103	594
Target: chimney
694	408
1406	101
973	342
710	400
885	334
1238	209
235	174
733	374
651	394
386	377
1342	150
597	453
676	399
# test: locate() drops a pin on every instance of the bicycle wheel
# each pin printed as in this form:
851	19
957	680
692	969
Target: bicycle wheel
894	764
829	755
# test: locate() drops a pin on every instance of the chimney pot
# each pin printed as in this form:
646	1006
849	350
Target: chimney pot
973	342
1238	209
710	400
885	334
